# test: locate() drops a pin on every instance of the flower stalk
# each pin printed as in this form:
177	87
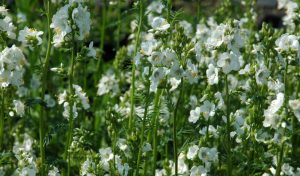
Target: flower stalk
229	171
136	172
286	98
2	118
157	103
44	112
175	127
67	155
132	92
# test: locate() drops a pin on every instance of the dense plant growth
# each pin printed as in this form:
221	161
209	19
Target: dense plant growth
120	88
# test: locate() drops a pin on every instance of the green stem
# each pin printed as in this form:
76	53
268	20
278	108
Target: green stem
229	172
2	118
114	150
279	162
169	10
286	98
102	37
294	126
198	11
71	101
155	127
119	25
136	172
132	92
44	113
175	127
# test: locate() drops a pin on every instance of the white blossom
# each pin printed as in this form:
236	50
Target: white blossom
192	152
160	24
30	37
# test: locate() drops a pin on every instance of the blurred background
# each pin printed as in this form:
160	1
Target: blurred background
104	12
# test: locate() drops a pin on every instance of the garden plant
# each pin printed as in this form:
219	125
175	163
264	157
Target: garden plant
152	88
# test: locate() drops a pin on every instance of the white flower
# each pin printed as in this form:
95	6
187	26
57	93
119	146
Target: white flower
208	154
194	115
123	169
50	102
271	118
87	168
276	86
182	166
287	169
30	37
106	155
218	36
19	107
160	24
221	104
21	17
66	112
207	109
295	106
148	46
192	152
198	171
62	97
174	83
13	58
7	26
30	171
3	10
187	27
262	75
211	130
54	172
287	42
82	96
147	147
91	50
12	62
61	26
157	75
81	17
290	11
228	62
155	6
191	73
108	84
161	172
176	71
212	74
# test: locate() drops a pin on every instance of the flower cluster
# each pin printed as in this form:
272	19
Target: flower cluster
121	88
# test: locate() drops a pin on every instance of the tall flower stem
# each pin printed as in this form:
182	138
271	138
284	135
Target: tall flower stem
169	9
286	98
2	116
119	25
294	126
102	37
67	155
132	92
155	127
229	171
136	172
198	10
175	127
44	77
